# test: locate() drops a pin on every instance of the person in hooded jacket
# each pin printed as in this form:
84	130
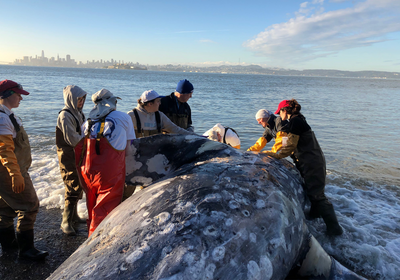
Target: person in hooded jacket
100	156
309	159
223	134
175	105
17	194
148	121
273	129
68	134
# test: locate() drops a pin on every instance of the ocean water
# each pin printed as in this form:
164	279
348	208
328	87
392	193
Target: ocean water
355	121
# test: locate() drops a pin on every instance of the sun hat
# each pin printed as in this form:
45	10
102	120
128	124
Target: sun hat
231	138
282	104
263	114
149	95
104	103
184	86
7	87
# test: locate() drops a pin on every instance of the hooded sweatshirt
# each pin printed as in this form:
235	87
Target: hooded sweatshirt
66	121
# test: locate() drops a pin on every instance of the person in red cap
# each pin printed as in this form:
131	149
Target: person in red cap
175	105
303	146
17	194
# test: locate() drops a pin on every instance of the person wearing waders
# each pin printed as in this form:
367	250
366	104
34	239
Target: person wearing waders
223	134
17	194
68	134
175	105
309	159
100	156
148	121
273	129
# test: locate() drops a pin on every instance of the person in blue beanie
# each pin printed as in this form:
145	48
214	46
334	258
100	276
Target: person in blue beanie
175	105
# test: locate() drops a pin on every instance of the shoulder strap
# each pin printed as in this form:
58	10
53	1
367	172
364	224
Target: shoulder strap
158	121
102	122
138	123
13	120
78	128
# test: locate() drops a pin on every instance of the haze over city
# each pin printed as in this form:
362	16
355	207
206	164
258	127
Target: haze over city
321	34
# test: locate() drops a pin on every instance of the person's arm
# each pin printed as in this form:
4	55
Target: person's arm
292	142
170	127
259	145
278	141
10	162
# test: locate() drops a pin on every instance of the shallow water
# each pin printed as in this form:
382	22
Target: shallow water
353	119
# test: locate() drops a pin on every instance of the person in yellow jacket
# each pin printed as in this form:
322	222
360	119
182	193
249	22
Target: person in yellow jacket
273	129
17	194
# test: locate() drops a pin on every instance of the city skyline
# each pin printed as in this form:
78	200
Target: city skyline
320	34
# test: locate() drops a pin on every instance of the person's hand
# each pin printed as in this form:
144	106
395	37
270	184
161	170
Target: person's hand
18	183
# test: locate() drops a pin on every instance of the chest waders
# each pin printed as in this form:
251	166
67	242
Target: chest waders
145	133
24	204
101	169
69	174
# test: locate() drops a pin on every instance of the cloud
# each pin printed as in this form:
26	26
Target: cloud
313	33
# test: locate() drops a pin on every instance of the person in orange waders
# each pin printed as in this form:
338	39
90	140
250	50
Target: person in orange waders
100	156
17	194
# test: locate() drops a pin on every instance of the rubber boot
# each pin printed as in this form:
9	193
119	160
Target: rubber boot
67	223
314	212
76	218
26	248
7	239
330	219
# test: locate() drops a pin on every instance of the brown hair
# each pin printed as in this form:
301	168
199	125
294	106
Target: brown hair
294	107
139	101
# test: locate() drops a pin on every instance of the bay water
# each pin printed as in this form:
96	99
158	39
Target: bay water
356	122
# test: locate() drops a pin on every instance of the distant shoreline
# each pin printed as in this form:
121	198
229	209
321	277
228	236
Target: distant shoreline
252	70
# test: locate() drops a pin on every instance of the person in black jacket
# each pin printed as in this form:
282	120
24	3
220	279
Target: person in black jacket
303	146
175	105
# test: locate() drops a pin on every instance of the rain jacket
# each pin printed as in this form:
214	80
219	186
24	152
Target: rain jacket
273	130
148	123
181	116
68	134
15	156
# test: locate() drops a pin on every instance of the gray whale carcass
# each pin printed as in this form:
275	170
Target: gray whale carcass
208	212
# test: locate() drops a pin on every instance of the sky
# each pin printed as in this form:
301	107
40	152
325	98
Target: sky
319	34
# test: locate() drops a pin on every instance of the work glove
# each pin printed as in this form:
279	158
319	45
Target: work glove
292	142
261	142
10	162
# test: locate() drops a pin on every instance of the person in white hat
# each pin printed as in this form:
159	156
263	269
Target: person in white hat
100	156
273	129
148	120
224	135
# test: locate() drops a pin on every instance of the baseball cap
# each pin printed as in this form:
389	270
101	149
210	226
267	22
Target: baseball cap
149	95
7	87
184	86
282	104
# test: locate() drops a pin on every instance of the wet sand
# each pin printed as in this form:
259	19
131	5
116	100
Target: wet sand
49	237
